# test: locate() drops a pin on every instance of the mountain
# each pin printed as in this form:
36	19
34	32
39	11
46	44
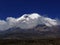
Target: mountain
27	21
29	26
38	32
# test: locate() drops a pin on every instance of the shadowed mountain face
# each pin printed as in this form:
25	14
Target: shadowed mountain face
38	32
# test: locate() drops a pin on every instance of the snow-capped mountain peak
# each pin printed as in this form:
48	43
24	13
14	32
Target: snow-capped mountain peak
27	21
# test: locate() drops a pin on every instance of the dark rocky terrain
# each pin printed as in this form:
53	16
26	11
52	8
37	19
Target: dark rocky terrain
37	32
40	35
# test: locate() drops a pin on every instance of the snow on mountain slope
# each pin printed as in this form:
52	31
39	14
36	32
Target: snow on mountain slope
27	21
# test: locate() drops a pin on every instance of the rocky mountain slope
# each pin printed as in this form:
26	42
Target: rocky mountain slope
39	32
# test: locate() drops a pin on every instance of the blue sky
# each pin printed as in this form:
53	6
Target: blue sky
16	8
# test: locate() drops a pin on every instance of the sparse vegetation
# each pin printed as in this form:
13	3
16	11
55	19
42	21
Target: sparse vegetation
30	42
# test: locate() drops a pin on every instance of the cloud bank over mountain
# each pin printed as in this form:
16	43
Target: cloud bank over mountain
27	21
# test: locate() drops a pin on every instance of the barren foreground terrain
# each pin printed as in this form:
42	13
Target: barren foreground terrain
52	41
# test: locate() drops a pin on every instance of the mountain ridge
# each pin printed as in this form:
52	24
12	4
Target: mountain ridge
38	32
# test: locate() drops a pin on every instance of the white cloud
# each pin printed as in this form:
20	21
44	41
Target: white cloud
3	25
11	22
50	22
27	21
